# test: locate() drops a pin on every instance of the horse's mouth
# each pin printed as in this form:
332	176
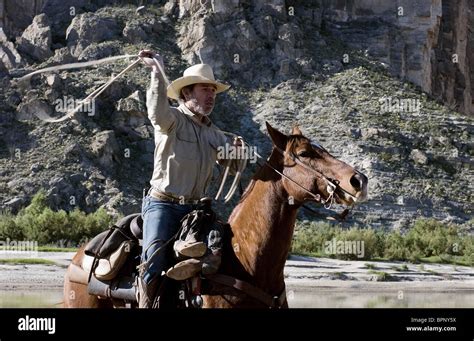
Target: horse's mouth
346	198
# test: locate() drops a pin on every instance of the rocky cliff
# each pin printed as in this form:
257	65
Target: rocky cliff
429	43
16	15
378	83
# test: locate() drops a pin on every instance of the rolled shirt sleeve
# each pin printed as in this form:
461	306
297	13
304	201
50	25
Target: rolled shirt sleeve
159	111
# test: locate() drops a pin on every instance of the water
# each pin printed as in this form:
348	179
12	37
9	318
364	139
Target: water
296	299
31	299
366	299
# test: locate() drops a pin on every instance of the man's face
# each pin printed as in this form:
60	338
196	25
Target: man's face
202	99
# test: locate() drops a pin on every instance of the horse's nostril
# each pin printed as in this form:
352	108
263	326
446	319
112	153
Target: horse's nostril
356	181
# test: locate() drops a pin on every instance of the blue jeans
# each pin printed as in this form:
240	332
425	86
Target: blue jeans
161	221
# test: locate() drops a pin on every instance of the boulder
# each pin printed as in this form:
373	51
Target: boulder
90	28
170	8
63	56
9	56
54	81
98	51
133	104
419	157
133	33
34	109
36	39
106	149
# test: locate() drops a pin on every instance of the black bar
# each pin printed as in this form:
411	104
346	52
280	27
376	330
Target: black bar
307	324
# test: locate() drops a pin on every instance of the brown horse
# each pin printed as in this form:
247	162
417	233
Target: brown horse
263	222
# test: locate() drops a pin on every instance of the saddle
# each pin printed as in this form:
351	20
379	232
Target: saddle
107	252
113	256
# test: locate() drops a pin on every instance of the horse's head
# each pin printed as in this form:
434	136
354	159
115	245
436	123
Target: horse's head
308	168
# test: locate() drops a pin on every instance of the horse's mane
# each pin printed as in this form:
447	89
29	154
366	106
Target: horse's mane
292	139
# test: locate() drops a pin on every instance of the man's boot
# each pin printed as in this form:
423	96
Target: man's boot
189	248
146	292
186	269
189	268
189	243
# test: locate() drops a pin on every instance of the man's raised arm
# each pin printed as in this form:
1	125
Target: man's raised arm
159	111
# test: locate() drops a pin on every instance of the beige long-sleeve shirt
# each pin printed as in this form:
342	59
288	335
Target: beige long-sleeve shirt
185	148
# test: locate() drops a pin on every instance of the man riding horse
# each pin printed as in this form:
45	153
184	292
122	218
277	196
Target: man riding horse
186	144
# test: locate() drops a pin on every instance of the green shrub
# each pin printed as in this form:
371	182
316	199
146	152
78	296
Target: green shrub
395	248
9	229
48	226
310	239
466	248
427	238
372	244
38	222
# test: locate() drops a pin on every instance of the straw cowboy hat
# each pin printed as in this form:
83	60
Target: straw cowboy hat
199	73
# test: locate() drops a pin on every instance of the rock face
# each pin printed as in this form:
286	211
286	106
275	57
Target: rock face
426	42
10	58
237	39
88	28
36	39
339	69
16	15
453	78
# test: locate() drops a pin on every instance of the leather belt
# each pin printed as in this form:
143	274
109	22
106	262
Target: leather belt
168	198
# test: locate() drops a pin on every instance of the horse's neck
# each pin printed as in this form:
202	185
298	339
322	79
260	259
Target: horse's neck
262	226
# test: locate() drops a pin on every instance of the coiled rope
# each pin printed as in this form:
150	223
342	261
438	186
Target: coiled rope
94	94
102	88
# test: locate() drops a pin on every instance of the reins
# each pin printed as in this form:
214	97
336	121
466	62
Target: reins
332	185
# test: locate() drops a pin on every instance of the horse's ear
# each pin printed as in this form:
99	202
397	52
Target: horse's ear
279	139
296	130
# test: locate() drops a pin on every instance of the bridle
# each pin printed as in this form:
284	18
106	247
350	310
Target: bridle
277	301
332	184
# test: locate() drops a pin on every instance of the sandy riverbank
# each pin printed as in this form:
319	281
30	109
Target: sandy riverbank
311	282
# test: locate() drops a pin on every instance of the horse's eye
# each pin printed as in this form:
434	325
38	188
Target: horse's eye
304	153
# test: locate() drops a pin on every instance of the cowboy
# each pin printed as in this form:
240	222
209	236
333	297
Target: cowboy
186	144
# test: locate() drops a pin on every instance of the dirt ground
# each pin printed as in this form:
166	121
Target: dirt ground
311	282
